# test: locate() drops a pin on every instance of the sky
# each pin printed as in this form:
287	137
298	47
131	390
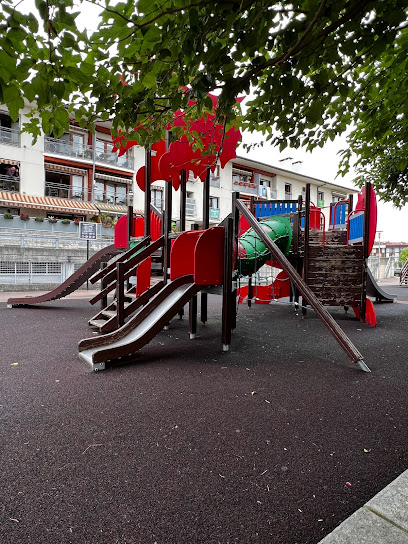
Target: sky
392	224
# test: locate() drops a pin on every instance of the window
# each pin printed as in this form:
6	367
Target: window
156	198
288	191
77	143
99	191
9	130
338	197
320	199
77	186
110	193
214	202
214	207
120	194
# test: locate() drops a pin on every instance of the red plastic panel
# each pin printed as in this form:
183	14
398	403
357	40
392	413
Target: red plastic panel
121	235
209	257
143	273
373	214
314	217
182	254
155	226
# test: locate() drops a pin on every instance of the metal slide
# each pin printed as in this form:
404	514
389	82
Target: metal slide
374	290
72	283
142	328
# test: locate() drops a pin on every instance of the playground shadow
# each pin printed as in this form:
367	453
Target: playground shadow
277	440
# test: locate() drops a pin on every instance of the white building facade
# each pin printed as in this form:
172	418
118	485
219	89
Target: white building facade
78	177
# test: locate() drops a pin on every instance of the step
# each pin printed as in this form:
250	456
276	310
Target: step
108	313
97	322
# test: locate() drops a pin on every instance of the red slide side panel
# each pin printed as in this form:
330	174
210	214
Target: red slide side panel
182	254
143	273
209	257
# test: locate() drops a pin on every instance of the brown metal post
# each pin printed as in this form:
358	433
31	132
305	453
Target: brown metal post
366	231
235	235
306	238
167	230
206	225
228	298
129	224
183	199
104	300
120	294
148	192
192	305
306	292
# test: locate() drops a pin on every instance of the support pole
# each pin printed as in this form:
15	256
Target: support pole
148	191
228	297
120	294
192	306
366	234
235	235
206	225
183	199
307	239
167	230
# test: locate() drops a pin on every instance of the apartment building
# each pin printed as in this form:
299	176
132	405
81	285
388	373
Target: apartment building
77	176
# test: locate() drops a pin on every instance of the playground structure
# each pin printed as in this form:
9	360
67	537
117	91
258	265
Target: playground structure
204	258
324	268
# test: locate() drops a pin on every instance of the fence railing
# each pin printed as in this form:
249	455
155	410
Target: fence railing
84	151
9	136
57	242
9	183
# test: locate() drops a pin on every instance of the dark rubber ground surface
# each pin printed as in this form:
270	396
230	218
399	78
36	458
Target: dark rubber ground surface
277	441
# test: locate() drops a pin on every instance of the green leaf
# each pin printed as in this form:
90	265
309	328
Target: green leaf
149	80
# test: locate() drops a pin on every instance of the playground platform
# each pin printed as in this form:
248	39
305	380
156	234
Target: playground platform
192	445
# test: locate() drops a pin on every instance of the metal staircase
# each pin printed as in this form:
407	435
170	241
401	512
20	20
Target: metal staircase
404	274
115	278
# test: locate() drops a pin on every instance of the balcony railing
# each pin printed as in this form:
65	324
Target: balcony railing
191	206
60	190
8	183
110	198
9	136
81	151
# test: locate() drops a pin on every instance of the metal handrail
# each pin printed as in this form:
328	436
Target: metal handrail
342	339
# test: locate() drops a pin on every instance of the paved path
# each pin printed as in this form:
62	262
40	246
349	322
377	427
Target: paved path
192	445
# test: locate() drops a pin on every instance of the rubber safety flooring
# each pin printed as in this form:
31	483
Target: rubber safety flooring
276	441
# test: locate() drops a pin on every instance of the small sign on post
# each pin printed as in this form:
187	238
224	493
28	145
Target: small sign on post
87	231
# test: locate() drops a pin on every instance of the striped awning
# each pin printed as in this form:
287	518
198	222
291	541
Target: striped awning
10	161
47	203
64	169
108	177
112	208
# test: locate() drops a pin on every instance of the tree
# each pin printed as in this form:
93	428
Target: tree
403	257
380	138
312	66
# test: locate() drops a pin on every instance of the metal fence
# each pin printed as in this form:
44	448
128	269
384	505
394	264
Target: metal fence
55	242
16	273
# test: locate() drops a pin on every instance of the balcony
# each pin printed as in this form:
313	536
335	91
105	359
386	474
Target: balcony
9	136
85	152
8	183
110	198
61	190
